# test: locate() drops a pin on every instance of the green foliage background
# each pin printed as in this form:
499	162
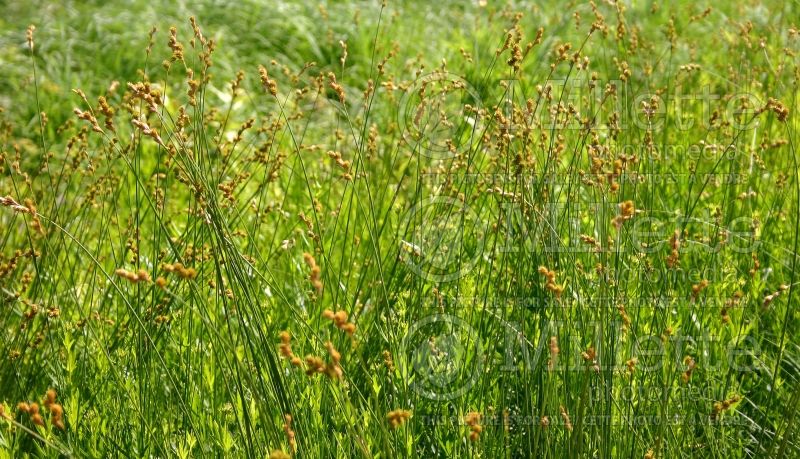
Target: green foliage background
435	260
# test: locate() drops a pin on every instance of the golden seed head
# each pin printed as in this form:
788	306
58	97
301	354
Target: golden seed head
29	35
56	410
566	418
269	84
398	417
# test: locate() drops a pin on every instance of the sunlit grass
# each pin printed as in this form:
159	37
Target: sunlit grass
366	230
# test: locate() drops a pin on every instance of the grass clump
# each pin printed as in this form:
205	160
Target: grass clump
522	236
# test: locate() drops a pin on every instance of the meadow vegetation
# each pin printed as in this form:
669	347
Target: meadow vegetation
401	229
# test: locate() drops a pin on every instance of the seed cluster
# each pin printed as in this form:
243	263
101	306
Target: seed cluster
180	270
285	349
550	276
340	320
290	435
554	351
771	297
398	417
565	417
33	411
720	407
134	277
315	272
473	420
626	211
